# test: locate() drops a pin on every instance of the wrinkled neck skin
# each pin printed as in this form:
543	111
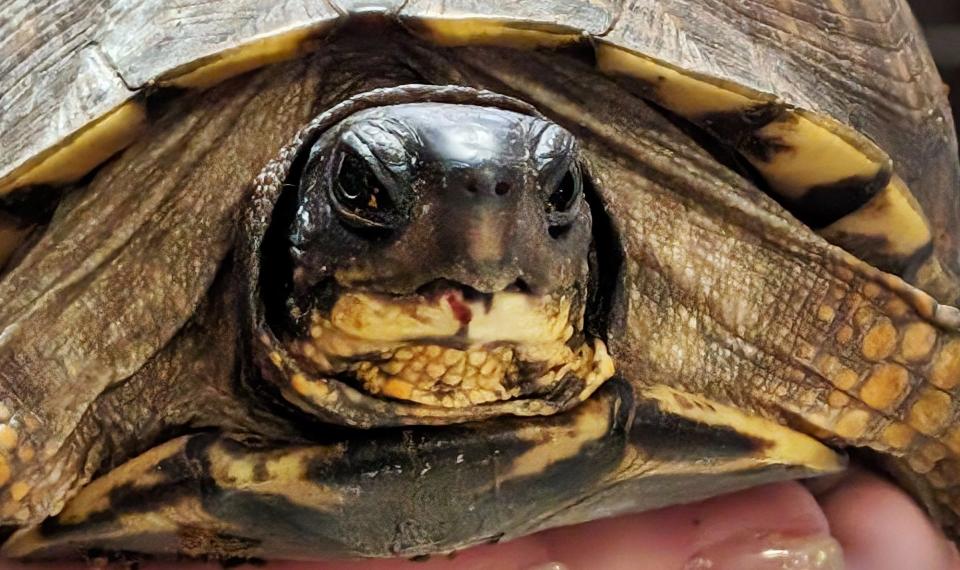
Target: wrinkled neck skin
438	257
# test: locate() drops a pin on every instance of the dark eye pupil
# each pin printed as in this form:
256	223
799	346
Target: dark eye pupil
357	186
566	193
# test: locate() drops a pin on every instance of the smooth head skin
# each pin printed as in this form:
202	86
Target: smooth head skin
482	197
439	254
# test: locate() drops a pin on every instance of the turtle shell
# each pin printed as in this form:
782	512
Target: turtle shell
836	105
835	108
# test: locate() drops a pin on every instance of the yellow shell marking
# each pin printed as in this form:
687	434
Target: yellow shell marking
804	151
82	152
490	31
227	64
893	216
785	446
814	154
286	476
678	91
591	422
798	139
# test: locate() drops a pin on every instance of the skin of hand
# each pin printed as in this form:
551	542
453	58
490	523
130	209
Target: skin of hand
861	523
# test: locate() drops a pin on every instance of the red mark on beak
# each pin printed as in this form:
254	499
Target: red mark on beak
460	309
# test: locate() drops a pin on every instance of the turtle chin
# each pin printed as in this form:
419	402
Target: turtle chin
450	346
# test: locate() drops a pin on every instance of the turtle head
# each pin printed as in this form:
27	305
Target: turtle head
438	258
469	198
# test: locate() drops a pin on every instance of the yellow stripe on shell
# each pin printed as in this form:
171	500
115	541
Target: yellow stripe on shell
784	446
805	150
893	217
81	153
490	31
258	53
808	151
284	475
591	422
684	94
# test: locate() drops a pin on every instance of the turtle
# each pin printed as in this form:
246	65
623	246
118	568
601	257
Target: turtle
372	278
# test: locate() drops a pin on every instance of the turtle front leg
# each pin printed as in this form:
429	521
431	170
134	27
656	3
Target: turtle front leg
180	388
122	267
764	318
721	293
887	360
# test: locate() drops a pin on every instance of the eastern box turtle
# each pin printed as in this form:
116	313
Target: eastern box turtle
311	279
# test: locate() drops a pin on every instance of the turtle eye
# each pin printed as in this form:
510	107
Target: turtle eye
564	197
358	194
563	201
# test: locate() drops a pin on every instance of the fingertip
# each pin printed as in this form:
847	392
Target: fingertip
881	528
672	537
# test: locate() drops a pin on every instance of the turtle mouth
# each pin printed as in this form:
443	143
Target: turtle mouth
451	346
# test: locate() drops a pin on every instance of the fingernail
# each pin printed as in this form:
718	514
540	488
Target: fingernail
764	551
550	566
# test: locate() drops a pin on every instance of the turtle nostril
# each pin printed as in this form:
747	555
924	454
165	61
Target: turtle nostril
557	232
518	286
502	188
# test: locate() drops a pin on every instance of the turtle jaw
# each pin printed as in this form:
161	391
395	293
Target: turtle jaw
453	347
